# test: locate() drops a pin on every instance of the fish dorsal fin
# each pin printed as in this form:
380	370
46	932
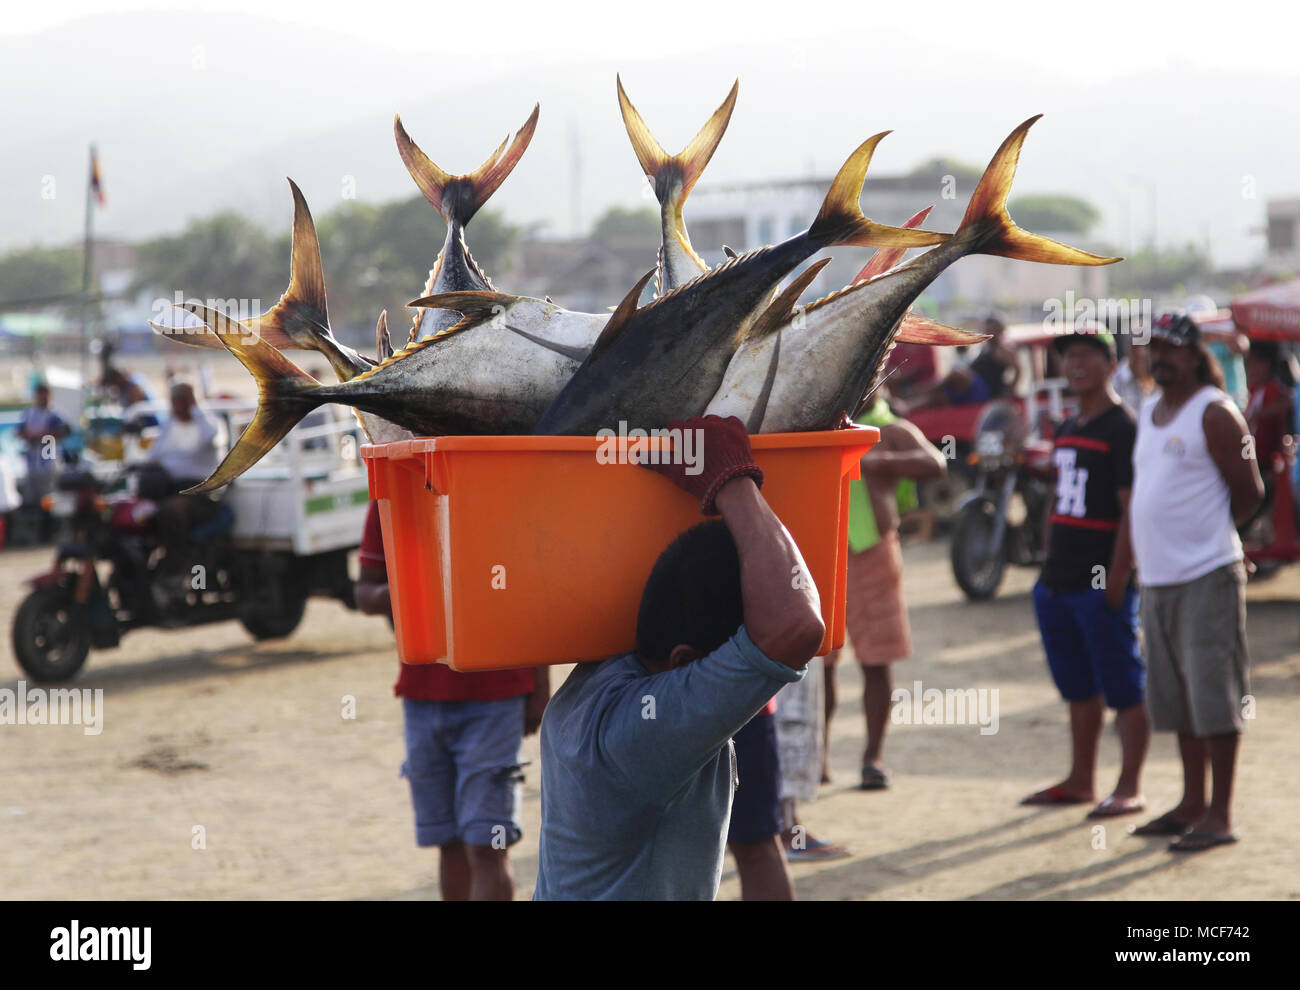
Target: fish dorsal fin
730	252
782	308
621	315
475	307
458	197
383	342
918	329
886	258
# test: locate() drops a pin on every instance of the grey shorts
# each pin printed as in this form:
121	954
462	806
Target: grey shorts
1196	653
462	758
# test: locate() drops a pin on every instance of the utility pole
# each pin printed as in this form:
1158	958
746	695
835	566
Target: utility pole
86	267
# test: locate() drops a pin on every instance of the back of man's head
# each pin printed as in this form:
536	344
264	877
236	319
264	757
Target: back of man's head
692	597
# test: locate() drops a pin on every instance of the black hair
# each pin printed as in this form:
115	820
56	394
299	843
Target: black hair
1208	371
692	596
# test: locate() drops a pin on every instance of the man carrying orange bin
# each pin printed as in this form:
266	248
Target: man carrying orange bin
463	733
638	768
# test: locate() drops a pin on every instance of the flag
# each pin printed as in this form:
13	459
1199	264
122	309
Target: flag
96	186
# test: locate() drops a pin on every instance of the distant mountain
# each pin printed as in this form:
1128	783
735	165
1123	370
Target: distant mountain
199	112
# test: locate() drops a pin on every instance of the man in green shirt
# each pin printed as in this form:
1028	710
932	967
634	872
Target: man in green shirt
875	615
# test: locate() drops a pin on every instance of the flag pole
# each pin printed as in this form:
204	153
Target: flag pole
86	278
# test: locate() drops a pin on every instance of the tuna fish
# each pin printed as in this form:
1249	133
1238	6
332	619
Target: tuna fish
823	373
667	359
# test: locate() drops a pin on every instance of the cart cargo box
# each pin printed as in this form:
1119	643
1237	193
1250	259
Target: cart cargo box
522	551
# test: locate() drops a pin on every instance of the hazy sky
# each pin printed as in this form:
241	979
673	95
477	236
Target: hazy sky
1178	123
1108	37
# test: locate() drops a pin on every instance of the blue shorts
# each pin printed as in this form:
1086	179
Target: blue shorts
462	759
1091	648
756	807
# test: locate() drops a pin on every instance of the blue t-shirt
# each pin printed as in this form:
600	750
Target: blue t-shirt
638	771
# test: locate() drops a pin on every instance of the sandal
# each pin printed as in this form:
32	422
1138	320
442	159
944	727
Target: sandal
1113	807
873	779
1166	824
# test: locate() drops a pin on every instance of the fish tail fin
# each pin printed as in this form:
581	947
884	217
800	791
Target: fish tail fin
458	197
284	395
989	228
673	176
840	220
300	320
887	258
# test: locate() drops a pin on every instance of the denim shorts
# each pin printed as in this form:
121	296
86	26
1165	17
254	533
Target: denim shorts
462	759
1091	648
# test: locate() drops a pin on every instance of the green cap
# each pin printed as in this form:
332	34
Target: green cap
1097	338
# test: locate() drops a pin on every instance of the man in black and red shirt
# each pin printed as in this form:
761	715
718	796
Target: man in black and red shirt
1085	599
463	733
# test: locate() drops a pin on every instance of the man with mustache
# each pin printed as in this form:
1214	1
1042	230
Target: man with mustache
1195	481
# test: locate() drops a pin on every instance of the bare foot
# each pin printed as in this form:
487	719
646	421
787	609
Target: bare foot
1062	793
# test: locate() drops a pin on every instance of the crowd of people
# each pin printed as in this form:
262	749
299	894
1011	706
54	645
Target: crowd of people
707	736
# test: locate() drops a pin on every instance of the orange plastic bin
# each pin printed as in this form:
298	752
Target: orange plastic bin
522	551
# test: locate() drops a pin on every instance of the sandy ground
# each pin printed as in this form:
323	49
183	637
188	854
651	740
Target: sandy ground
203	730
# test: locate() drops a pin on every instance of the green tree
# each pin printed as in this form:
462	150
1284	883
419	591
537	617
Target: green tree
1148	272
618	223
39	272
1067	214
219	257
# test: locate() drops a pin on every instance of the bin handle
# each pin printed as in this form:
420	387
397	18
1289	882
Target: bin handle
435	472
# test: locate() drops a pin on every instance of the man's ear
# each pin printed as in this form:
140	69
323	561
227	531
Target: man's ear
682	655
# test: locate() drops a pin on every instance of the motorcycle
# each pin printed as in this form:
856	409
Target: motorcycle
70	609
1001	520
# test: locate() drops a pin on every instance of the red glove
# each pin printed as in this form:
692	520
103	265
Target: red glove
718	451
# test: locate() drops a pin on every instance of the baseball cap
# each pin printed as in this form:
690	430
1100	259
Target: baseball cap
1094	335
1178	329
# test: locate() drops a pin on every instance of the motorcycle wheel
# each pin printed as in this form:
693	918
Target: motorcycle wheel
49	641
976	564
277	625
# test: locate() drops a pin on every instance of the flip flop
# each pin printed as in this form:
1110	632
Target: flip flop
1055	795
1166	824
1113	807
1191	842
816	850
874	779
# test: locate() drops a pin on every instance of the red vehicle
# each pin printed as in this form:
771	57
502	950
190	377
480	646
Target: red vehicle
1040	400
1273	313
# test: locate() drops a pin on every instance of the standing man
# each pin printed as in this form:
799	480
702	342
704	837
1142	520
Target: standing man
638	768
1194	484
875	613
463	733
1085	600
41	428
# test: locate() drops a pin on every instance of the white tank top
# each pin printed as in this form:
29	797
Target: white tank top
1180	514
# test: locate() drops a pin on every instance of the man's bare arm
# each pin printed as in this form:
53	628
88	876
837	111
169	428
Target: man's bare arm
1225	435
904	452
782	608
371	591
